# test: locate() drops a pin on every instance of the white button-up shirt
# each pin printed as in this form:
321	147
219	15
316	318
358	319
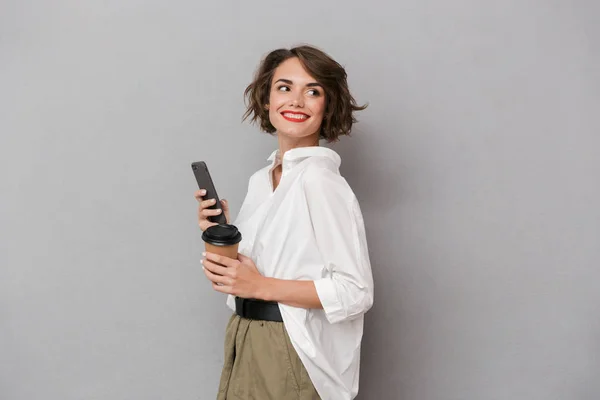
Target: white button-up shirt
311	228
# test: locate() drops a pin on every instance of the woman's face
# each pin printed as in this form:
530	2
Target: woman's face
296	101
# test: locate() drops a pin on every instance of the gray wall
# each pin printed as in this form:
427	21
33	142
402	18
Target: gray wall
476	167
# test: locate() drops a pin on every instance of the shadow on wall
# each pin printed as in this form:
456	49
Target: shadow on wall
373	179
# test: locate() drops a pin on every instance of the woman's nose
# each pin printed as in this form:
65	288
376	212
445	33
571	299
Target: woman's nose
296	101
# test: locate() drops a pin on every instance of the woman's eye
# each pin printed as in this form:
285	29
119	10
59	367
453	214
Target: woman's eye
314	92
283	88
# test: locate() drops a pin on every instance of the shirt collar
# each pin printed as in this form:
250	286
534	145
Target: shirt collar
294	156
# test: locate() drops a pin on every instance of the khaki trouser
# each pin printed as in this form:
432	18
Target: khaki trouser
261	364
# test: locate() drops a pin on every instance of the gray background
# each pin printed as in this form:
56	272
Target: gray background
476	167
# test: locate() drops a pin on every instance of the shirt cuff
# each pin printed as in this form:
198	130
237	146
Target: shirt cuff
326	290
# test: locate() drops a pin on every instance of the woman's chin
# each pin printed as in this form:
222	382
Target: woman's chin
295	133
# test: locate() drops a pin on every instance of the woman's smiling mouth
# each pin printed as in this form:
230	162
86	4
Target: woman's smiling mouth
294	116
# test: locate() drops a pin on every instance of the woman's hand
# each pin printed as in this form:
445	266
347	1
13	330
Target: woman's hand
204	212
237	277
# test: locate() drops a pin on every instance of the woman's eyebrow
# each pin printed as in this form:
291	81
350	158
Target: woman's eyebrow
289	82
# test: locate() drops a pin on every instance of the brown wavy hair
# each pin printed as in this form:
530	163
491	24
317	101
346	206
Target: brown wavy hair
339	103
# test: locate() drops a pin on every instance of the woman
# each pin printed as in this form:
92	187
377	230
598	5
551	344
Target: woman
302	281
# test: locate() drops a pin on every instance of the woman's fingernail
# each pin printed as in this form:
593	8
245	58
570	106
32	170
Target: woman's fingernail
219	211
203	192
204	254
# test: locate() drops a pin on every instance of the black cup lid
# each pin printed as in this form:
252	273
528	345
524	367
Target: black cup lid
222	235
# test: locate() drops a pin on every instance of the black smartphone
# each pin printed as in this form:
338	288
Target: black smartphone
205	182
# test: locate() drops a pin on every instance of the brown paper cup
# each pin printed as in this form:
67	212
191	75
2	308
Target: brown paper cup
227	251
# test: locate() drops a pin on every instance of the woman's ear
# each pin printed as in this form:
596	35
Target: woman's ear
266	106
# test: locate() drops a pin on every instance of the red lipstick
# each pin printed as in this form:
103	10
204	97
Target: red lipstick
296	116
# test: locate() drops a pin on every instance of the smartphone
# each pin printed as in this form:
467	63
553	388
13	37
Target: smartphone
205	182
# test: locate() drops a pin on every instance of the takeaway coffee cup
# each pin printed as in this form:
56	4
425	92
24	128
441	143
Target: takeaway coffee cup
222	239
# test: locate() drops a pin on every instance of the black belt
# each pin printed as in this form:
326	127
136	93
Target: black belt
258	309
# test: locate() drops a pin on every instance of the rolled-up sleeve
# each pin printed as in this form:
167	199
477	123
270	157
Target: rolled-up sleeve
346	284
